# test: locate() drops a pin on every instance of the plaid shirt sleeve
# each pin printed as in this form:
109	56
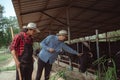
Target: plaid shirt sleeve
15	43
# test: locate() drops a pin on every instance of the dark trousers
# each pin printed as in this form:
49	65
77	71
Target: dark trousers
26	72
47	68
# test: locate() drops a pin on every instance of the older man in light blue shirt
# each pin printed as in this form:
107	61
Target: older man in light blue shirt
51	47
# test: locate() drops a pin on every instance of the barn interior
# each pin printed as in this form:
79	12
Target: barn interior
82	18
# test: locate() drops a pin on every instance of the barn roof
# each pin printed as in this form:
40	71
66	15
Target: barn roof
83	17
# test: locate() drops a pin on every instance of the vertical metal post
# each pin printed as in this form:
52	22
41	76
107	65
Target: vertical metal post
106	37
98	54
108	41
82	47
68	23
49	32
89	43
77	46
78	51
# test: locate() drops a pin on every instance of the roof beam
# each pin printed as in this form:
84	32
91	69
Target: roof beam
84	10
54	18
47	2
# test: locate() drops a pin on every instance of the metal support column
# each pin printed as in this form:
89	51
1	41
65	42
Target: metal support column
68	23
78	52
98	54
108	41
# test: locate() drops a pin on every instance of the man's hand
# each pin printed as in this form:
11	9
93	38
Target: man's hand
15	58
51	50
17	64
79	54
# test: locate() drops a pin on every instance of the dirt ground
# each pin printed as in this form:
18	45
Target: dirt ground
70	75
7	75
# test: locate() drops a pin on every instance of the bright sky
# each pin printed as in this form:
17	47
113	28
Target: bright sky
8	8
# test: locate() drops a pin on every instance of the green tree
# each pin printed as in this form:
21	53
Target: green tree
5	34
1	11
5	24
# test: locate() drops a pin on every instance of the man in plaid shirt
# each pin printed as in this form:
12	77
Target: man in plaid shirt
22	51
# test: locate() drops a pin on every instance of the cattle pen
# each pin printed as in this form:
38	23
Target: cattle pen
85	20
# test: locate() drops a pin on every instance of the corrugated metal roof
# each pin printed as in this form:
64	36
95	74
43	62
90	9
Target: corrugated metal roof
85	16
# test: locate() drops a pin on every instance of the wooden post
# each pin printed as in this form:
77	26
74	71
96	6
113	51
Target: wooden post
11	29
